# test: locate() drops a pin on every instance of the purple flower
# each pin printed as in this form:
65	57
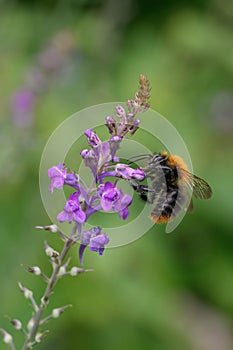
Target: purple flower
109	193
57	175
72	210
112	198
71	180
95	239
127	173
97	243
122	204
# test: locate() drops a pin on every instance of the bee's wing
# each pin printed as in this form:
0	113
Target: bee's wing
198	186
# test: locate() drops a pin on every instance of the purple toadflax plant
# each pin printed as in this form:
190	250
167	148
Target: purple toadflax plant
84	201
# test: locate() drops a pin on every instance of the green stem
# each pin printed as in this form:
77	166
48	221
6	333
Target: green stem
50	286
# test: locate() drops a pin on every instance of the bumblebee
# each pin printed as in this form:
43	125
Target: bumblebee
170	186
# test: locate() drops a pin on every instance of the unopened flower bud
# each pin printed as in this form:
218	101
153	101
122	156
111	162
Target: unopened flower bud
35	270
92	138
16	323
111	124
54	254
50	251
44	300
58	311
7	338
27	292
62	271
133	129
110	120
75	271
38	337
30	324
120	112
51	228
116	139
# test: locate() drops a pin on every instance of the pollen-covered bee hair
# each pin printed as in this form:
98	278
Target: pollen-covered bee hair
170	185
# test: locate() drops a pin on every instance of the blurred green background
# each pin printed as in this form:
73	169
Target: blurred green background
162	292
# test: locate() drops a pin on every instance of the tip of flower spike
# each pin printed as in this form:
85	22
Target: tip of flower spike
144	92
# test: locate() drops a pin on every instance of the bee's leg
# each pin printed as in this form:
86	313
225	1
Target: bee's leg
141	189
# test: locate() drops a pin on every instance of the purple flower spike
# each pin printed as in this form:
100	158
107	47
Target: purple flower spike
72	210
97	243
57	175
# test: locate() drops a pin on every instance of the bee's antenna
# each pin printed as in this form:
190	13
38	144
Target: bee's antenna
139	157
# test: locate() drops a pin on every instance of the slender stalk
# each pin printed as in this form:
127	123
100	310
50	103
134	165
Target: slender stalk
12	345
50	286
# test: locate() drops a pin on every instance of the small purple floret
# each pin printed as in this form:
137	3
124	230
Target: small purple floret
71	179
122	204
57	175
72	210
97	243
127	173
112	198
109	193
95	239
